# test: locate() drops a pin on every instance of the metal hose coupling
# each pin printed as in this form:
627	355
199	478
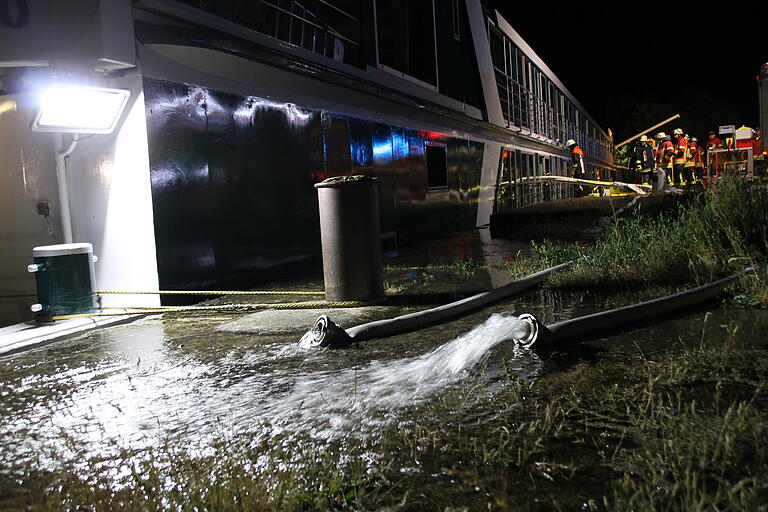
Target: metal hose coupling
325	333
532	324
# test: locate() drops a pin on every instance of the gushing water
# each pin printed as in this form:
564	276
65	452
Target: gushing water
370	395
102	407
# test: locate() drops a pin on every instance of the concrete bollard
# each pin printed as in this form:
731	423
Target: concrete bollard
349	231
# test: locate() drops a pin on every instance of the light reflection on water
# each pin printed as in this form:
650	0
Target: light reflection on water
137	386
368	396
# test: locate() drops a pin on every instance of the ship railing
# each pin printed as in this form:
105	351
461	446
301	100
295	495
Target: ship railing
528	114
524	112
290	21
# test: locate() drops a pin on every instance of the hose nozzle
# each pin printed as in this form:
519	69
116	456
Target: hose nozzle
325	333
532	324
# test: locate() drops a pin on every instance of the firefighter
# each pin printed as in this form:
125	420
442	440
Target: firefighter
577	163
656	145
714	142
665	153
643	161
693	161
681	147
699	161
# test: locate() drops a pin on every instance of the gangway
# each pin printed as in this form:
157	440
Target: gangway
634	187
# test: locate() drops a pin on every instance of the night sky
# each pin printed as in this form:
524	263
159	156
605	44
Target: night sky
632	71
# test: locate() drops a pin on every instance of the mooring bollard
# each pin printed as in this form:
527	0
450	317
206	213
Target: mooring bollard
64	276
349	231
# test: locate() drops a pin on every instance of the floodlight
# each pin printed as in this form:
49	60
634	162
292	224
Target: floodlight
79	109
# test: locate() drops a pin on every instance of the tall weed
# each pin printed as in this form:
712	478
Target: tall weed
721	230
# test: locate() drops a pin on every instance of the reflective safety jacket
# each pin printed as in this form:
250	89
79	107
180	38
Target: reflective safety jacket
693	155
680	150
642	158
577	161
665	153
714	143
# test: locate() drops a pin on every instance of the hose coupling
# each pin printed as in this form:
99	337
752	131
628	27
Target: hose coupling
325	333
532	324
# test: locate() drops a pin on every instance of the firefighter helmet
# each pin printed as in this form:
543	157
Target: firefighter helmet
661	135
569	143
643	138
694	139
677	131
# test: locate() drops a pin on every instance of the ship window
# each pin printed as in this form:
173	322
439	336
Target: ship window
511	60
406	38
522	66
497	48
437	170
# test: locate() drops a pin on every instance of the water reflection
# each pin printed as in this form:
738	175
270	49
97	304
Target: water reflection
141	385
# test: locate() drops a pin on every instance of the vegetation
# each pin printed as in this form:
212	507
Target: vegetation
721	230
682	428
464	266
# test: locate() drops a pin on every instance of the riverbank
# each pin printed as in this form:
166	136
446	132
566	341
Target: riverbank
623	424
709	235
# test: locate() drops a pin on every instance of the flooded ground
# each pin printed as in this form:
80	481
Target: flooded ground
176	384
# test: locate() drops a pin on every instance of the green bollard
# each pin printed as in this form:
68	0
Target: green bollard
65	280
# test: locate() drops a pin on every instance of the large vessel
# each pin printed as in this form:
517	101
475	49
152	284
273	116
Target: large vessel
237	107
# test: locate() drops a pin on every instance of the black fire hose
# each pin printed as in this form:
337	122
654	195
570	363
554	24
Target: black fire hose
325	333
656	310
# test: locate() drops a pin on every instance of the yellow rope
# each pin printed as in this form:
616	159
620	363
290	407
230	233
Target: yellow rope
566	179
212	292
223	308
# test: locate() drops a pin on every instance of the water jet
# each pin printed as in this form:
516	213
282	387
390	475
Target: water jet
325	333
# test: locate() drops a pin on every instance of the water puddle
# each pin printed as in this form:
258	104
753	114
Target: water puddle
137	386
364	398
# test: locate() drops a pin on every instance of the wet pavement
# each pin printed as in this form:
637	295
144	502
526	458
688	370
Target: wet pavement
181	381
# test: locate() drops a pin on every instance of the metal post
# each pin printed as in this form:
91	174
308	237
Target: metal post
763	90
350	236
62	179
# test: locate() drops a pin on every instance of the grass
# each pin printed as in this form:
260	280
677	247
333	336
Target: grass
722	230
680	429
464	266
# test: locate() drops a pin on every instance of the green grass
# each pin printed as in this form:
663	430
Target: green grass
720	231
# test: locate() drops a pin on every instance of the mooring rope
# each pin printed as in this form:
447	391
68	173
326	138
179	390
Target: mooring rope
236	308
204	292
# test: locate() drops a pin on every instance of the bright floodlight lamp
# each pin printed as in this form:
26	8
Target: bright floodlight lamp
80	109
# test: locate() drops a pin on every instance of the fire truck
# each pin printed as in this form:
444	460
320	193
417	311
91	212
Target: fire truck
745	151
